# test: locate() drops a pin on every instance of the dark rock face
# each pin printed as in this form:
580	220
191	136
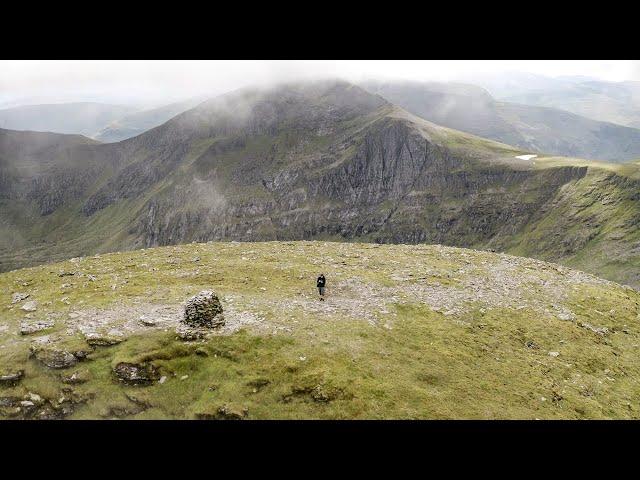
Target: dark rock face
204	310
136	374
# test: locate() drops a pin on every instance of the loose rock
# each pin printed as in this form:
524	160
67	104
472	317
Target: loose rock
136	374
18	297
77	377
30	306
27	328
53	357
11	379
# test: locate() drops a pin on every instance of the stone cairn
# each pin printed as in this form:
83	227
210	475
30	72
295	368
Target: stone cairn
204	310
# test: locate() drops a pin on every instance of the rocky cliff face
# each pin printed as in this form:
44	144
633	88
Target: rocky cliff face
324	160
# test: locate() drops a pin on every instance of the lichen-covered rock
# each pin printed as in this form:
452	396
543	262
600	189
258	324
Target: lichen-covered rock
136	374
27	328
12	378
204	310
53	357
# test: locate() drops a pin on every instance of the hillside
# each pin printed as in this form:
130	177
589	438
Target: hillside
534	128
406	332
138	122
69	118
323	160
615	102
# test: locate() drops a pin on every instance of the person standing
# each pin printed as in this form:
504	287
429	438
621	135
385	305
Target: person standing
321	284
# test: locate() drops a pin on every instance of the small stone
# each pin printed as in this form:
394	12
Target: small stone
162	379
18	297
184	377
35	398
147	322
30	306
91	278
554	354
76	378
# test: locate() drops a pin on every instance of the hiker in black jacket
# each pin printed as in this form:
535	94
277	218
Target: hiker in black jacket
321	282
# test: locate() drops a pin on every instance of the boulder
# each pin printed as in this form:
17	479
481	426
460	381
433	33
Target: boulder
136	374
204	310
53	357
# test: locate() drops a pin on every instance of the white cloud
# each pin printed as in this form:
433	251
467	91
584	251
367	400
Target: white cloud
134	81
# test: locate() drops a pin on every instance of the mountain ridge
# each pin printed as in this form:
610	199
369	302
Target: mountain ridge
325	161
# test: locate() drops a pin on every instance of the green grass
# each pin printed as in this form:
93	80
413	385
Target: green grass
410	362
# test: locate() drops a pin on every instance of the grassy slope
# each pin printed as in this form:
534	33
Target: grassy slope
592	224
406	332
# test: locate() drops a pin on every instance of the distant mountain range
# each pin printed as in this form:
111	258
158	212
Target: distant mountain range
103	122
538	129
138	122
613	102
515	108
318	160
72	118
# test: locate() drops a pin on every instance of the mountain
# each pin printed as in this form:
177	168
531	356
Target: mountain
138	122
506	84
615	102
321	160
70	118
537	129
406	332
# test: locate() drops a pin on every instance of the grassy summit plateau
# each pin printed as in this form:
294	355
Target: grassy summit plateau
407	331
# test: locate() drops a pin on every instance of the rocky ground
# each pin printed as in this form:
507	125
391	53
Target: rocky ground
406	332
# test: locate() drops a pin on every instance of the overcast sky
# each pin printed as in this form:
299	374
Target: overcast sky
159	82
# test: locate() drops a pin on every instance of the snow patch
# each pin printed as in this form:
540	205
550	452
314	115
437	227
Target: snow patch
526	157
